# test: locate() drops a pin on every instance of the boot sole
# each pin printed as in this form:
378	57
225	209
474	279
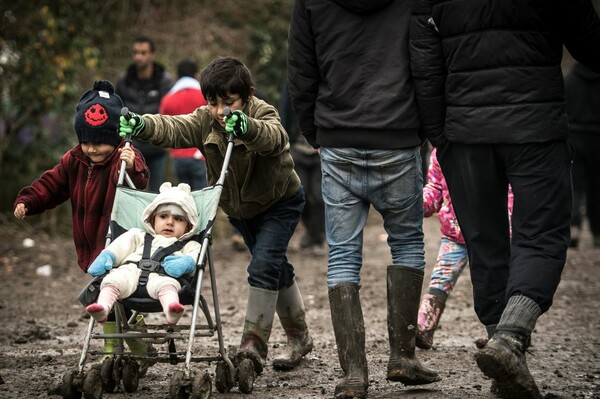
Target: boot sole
289	364
500	365
418	379
350	390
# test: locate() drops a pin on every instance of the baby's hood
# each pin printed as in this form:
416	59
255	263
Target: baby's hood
179	195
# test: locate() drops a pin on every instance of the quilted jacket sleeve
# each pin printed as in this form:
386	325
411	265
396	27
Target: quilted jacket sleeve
428	70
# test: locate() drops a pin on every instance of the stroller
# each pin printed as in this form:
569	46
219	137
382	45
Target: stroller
123	366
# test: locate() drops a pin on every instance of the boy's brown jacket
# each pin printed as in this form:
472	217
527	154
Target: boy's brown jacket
261	170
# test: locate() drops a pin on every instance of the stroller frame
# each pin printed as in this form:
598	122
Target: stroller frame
123	365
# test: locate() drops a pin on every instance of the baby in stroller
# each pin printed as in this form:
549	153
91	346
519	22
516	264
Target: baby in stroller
155	258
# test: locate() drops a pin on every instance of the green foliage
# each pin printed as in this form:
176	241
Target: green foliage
45	52
51	52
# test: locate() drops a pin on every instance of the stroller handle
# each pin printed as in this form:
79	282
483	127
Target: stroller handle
230	143
122	173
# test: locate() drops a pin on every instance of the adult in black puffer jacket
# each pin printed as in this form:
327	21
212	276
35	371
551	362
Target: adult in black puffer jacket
491	96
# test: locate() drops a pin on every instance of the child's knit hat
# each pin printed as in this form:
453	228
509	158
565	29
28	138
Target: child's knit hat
98	113
177	200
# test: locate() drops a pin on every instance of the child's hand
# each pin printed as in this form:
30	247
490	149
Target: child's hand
20	211
133	125
177	266
103	263
128	156
236	123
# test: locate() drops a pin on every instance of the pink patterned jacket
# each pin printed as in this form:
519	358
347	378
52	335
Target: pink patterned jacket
436	198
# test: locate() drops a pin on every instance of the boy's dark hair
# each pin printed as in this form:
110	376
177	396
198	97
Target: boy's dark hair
226	75
187	68
145	39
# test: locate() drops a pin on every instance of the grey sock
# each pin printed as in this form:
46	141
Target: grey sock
519	316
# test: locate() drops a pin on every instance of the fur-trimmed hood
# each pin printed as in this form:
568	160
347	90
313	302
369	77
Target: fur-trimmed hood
179	195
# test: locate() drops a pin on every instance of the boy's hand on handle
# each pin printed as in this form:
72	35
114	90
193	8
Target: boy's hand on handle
20	211
132	124
103	263
236	122
177	266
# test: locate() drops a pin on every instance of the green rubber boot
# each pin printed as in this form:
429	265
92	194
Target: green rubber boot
110	344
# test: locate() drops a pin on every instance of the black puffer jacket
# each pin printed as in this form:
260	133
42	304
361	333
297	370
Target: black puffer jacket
349	73
143	97
490	71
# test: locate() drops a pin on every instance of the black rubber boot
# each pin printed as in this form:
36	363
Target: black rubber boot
403	296
503	357
349	328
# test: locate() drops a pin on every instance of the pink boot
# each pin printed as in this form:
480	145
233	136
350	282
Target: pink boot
169	299
106	299
430	312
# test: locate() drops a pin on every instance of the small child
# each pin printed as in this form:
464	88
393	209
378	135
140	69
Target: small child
170	217
452	256
88	173
262	196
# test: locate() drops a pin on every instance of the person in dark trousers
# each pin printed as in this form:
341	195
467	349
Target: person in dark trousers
262	196
308	166
582	94
491	98
351	87
142	86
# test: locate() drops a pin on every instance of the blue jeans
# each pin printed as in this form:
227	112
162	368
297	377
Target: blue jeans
191	171
267	235
389	180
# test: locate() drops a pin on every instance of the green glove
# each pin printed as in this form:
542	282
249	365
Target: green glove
236	123
133	125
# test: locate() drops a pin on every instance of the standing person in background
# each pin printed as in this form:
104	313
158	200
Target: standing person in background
307	164
582	96
354	100
491	97
142	86
183	98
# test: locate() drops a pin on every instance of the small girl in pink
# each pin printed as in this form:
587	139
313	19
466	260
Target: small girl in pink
170	217
452	256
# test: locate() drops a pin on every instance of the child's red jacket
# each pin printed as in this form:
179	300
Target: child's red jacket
91	189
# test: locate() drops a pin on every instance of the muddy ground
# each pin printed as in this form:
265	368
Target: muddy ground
42	325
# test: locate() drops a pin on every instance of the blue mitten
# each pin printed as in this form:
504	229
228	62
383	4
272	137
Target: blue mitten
103	263
177	266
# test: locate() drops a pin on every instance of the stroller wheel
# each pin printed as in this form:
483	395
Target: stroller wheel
201	386
224	379
131	376
71	385
246	376
179	387
107	375
92	384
